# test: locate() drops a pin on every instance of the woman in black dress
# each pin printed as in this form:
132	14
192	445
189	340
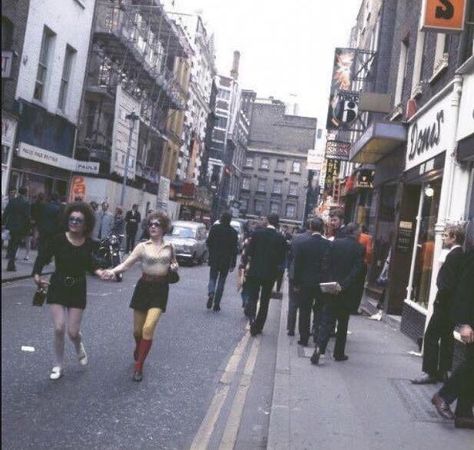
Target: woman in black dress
73	255
151	292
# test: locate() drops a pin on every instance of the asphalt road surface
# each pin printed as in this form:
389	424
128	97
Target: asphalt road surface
206	384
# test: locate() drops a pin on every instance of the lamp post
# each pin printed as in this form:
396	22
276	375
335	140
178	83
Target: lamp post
132	117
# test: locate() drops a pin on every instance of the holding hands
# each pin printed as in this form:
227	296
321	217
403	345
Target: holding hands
107	275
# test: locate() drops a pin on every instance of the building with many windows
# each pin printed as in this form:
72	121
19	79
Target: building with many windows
274	175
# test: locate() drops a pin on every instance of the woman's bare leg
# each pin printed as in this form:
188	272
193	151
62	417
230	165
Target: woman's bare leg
58	314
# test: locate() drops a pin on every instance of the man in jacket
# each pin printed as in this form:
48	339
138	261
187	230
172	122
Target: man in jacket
438	340
345	263
222	245
49	222
336	223
104	221
17	219
266	252
132	220
292	295
310	268
460	385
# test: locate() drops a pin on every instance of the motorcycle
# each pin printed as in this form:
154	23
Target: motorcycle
108	253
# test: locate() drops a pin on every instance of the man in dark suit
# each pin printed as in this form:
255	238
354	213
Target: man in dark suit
266	252
438	341
292	295
310	269
17	218
460	385
222	245
49	222
336	223
345	262
132	219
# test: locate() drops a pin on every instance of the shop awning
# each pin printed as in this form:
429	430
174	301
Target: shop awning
379	140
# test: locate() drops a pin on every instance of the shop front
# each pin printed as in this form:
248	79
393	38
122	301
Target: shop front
9	125
434	195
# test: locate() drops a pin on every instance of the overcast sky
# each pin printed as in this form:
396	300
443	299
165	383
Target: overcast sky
287	47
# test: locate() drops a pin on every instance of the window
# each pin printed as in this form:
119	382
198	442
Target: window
280	165
290	210
296	167
44	59
262	185
244	204
277	186
245	183
249	162
274	208
293	190
68	60
5	154
402	71
221	122
224	95
258	206
7	34
264	163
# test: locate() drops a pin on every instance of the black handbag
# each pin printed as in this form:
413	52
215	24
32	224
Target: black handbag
173	276
39	297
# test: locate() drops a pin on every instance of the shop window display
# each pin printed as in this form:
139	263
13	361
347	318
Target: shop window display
426	243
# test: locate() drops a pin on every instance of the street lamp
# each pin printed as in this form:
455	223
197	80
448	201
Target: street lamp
132	117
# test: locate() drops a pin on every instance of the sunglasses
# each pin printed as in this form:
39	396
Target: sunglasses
77	220
154	224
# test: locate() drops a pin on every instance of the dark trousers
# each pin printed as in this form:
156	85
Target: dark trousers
438	342
216	277
13	244
279	280
292	307
131	236
333	310
309	300
460	385
258	287
358	289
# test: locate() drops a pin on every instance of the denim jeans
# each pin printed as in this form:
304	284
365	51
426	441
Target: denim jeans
218	277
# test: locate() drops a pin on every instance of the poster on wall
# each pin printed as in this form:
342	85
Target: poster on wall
124	105
443	16
78	188
332	172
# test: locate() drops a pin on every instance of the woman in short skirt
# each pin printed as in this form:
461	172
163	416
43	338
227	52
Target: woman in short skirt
151	292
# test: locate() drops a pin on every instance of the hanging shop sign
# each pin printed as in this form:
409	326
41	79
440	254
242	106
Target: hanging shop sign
314	160
365	179
41	155
343	110
443	16
124	105
429	134
338	150
332	172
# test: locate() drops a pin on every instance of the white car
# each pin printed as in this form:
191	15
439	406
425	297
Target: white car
189	241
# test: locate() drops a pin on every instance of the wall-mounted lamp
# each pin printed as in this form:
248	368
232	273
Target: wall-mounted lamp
429	191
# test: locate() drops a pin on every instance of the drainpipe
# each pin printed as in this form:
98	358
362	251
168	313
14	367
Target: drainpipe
446	190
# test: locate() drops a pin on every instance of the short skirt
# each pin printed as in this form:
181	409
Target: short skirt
62	292
150	294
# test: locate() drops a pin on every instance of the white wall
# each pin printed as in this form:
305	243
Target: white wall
71	20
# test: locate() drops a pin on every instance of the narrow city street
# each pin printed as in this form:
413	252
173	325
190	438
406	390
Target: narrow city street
199	368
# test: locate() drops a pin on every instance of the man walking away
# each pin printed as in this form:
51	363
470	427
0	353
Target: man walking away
345	263
17	222
438	340
222	245
267	253
132	219
310	268
292	295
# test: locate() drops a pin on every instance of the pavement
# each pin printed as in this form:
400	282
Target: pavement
23	267
365	403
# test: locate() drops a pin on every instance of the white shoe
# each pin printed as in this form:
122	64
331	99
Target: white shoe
56	373
82	356
376	316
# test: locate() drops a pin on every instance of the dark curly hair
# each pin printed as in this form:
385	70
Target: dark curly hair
162	218
83	208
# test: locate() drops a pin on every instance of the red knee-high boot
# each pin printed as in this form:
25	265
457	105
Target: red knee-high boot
137	344
143	349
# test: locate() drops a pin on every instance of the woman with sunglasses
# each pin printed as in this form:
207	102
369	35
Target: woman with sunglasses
73	255
151	292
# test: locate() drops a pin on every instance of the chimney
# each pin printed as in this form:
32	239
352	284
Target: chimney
234	73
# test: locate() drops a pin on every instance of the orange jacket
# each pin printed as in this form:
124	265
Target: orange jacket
366	241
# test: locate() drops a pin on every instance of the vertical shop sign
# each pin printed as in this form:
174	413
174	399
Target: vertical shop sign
444	16
332	172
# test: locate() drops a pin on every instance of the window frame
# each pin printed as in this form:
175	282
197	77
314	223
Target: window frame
69	58
44	62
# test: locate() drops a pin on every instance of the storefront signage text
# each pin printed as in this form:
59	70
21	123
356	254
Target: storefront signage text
426	138
443	15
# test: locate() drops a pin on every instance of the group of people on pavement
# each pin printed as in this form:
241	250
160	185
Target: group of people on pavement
327	268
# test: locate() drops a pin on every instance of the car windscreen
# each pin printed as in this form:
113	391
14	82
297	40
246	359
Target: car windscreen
183	232
236	227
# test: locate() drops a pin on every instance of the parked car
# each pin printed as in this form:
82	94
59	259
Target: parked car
189	241
237	225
